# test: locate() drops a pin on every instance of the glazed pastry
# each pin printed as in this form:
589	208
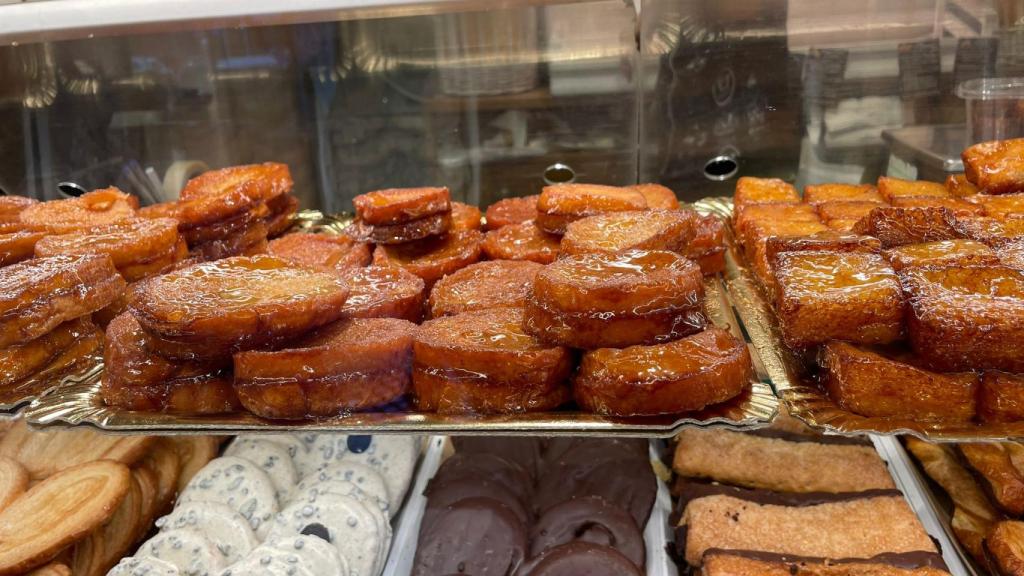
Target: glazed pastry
763	191
494	284
434	258
899	226
658	197
321	251
401	205
995	167
997	465
523	241
835	192
895	188
510	211
669	230
561	204
941	253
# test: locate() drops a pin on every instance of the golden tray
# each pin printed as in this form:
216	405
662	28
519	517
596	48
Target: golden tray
800	395
76	401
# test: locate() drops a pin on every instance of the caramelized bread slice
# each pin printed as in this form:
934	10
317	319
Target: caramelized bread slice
642	230
840	210
1005	207
899	226
562	204
1001	398
941	253
997	167
751	190
96	208
956	205
893	188
989	230
401	205
959	186
836	192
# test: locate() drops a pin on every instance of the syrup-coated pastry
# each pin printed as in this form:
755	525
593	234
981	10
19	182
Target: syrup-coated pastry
38	295
282	210
192	395
997	465
22	361
966	317
484	362
871	384
247	242
614	232
756	234
12	206
707	247
1005	207
588	519
847	525
899	226
234	304
353	364
1001	398
321	251
523	241
995	167
852	296
842	225
96	208
18	246
433	258
217	195
829	241
751	563
893	188
419	229
165	262
941	253
786	462
1012	254
842	210
745	216
957	206
973	514
218	230
472	536
127	242
687	374
493	284
989	230
509	211
1005	545
751	190
959	186
610	301
401	205
562	204
465	217
579	557
377	292
836	192
658	197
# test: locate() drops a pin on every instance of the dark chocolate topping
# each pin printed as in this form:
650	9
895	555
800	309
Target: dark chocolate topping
626	482
476	536
441	495
556	448
904	560
689	491
489	466
589	519
576	558
524	451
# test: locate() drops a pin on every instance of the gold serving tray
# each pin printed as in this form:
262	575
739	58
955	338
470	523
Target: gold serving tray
76	401
802	397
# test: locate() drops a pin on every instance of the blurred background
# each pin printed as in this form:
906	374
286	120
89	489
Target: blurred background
494	102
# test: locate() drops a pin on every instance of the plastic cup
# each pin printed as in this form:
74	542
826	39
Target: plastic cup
995	108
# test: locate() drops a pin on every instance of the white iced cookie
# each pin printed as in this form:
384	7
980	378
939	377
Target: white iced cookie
265	561
317	555
143	567
240	484
323	450
292	442
272	457
219	523
186	549
393	457
348	478
350	526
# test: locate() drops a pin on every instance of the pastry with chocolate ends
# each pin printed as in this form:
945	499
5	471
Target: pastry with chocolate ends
524	241
613	301
492	284
679	376
483	362
562	204
719	562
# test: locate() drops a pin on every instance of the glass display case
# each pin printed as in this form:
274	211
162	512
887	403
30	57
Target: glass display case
525	288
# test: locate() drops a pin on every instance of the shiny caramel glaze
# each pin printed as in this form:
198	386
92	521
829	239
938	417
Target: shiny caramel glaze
379	292
892	188
761	214
966	317
38	295
989	230
431	259
96	208
845	210
509	211
523	241
836	192
411	231
669	230
129	363
127	242
158	265
22	361
190	396
824	295
12	206
955	205
561	204
1012	254
959	187
222	194
493	284
828	241
755	238
246	242
1003	207
282	210
687	374
996	167
658	197
465	217
1004	547
401	205
483	361
18	246
751	190
352	364
225	228
899	226
868	383
241	302
321	251
1001	398
941	253
998	466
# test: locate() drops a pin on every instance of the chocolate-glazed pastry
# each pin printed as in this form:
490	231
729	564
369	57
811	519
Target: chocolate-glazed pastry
576	558
441	495
475	536
486	467
589	519
525	451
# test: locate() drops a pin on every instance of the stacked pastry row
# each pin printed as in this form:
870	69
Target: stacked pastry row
985	483
913	299
328	324
76	501
311	504
525	506
787	502
67	263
